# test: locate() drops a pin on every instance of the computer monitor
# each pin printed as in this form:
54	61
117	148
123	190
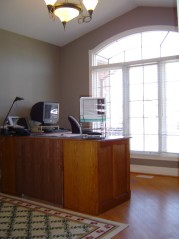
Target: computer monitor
47	113
92	109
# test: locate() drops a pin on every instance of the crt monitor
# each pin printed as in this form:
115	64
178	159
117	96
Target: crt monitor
47	113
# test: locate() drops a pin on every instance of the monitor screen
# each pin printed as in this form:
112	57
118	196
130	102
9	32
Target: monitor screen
47	113
51	113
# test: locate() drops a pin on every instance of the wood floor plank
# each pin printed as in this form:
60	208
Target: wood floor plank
152	212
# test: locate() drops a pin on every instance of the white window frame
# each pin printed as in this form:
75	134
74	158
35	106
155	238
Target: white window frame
93	68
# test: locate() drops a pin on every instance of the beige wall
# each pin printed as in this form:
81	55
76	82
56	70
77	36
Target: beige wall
39	71
29	69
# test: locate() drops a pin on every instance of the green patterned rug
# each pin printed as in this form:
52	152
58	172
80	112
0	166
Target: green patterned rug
20	218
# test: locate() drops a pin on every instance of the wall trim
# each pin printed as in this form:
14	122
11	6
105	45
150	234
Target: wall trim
154	170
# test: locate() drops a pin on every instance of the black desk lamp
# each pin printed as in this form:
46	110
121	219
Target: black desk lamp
4	130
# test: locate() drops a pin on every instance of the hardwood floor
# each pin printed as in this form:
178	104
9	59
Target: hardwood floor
153	210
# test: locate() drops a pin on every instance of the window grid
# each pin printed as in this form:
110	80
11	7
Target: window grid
158	109
143	107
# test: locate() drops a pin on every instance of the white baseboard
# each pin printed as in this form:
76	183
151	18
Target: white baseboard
154	170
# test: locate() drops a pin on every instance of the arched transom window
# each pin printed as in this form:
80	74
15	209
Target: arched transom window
139	76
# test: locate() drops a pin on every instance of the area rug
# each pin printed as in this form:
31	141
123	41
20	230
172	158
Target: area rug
21	218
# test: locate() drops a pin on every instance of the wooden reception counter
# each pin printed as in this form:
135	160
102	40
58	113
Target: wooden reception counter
89	176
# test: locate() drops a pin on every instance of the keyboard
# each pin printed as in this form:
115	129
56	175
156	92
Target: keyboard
93	137
90	132
54	130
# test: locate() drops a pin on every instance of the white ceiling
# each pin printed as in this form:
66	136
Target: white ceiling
30	18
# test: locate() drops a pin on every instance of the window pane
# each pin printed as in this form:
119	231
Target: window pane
151	43
136	92
136	109
143	100
144	45
151	109
151	143
151	126
153	38
150	52
116	98
125	49
150	91
172	107
101	60
133	55
136	126
108	84
136	143
171	45
172	144
116	59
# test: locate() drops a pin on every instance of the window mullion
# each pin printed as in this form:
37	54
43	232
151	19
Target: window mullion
161	107
126	124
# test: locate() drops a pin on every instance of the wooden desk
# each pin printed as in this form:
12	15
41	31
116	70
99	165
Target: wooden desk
89	176
33	167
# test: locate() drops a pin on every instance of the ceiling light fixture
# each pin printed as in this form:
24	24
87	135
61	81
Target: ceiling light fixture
68	10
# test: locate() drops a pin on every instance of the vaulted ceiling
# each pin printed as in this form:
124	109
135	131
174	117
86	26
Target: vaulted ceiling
30	18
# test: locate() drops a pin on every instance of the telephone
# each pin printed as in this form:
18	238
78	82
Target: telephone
18	131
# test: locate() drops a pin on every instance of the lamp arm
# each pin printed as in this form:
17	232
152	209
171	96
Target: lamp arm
16	99
8	114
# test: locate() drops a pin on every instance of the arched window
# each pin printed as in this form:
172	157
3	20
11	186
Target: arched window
138	74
